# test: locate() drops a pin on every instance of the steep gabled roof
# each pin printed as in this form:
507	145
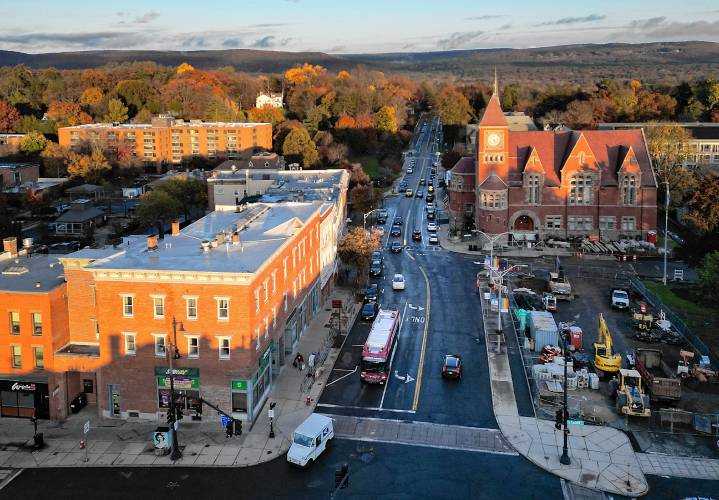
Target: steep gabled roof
465	165
493	182
493	115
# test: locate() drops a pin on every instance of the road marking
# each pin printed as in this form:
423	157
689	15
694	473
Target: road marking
415	402
357	345
391	359
426	445
343	370
343	376
369	408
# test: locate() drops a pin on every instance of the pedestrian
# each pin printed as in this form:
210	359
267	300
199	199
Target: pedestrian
299	362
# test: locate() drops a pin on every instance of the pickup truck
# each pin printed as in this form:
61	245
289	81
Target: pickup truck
619	298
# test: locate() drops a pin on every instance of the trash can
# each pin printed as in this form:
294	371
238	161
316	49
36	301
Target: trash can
652	237
162	440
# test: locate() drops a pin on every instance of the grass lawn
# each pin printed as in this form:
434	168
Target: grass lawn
369	164
679	304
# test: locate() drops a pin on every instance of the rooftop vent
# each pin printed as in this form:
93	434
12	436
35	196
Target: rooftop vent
15	270
205	245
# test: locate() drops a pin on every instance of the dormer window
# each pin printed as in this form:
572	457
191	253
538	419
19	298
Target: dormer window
582	158
629	190
532	185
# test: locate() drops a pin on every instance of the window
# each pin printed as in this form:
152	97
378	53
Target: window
284	268
239	402
629	190
267	327
265	286
16	356
257	300
553	222
223	308
607	223
128	307
158	307
274	317
533	189
493	199
38	354
160	346
580	223
274	282
628	224
130	345
14	323
582	158
581	189
193	347
224	347
286	301
191	307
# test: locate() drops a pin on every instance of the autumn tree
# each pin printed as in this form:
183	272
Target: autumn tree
157	205
303	74
33	143
668	147
55	159
91	96
116	112
345	121
184	68
356	249
137	95
452	107
299	147
89	167
9	118
266	114
703	205
386	119
67	114
362	197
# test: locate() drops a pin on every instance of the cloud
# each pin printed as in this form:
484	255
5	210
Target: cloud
647	24
483	18
574	20
505	27
657	27
459	40
232	43
268	25
103	39
147	17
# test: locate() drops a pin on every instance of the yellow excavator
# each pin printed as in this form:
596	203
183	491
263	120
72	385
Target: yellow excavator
606	361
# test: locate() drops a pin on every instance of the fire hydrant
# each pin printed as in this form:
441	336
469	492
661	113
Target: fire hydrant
82	444
308	401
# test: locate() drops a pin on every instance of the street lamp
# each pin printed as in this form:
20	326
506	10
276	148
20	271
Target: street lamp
500	276
364	217
492	239
173	353
564	460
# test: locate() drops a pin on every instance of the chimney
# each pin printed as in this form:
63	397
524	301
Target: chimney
235	238
152	242
175	228
220	238
9	244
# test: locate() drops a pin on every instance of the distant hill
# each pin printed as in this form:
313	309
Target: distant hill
577	64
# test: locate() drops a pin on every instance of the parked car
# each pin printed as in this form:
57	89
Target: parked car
422	181
375	269
417	235
398	220
369	310
452	367
432	227
396	247
377	255
431	214
420	193
398	282
372	293
409	193
430	197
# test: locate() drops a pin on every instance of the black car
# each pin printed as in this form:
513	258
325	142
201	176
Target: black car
396	247
422	181
381	220
369	310
452	366
398	221
375	269
430	197
396	231
431	215
416	235
430	182
403	186
371	293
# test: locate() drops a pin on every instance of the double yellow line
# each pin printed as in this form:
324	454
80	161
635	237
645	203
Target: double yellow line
418	387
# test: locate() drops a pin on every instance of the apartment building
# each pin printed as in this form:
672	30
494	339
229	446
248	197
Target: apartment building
167	141
10	143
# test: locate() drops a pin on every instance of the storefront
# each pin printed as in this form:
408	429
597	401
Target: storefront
187	388
19	398
248	396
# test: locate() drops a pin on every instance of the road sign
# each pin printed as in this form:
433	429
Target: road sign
225	420
271	413
86	427
575	422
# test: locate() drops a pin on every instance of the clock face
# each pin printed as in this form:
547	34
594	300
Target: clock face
493	139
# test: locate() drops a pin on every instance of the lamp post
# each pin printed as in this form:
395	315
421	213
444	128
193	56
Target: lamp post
364	217
565	460
500	277
492	238
174	353
666	229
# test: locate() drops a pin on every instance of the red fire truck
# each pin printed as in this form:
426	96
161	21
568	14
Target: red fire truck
377	351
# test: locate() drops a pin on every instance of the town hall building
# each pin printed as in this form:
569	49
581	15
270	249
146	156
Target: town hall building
553	183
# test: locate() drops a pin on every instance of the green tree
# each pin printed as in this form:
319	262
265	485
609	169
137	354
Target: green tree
33	143
356	249
386	119
703	205
116	112
298	147
709	276
668	147
157	205
453	107
188	192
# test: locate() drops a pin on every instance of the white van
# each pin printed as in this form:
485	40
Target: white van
310	439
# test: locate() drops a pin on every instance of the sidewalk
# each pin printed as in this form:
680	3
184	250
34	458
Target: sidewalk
126	443
458	246
602	458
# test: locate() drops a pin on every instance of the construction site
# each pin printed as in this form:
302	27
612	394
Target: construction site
629	365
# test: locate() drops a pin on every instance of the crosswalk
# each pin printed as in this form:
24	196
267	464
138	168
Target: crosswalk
7	475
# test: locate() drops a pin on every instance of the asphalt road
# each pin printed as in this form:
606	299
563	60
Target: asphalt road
377	470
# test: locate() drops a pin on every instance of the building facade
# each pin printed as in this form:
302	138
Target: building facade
16	174
10	143
556	184
168	141
269	99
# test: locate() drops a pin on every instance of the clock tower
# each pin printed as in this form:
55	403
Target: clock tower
493	141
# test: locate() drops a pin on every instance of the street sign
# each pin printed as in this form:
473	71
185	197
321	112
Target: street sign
271	413
86	427
225	420
575	422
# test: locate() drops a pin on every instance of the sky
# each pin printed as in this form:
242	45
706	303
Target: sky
342	26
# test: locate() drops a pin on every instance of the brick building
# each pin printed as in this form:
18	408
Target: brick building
167	141
10	144
561	184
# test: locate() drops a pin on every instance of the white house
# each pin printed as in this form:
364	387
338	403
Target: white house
273	100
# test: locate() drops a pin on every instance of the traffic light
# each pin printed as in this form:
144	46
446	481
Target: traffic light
228	429
238	427
342	476
170	418
178	409
558	419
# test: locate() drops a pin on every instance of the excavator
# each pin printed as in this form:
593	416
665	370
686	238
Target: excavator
606	361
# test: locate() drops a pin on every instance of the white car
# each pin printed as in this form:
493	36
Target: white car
398	282
433	240
432	227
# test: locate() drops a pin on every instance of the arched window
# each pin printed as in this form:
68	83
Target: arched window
629	190
581	190
533	189
582	158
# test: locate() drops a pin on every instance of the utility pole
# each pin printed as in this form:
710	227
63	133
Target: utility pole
565	460
666	228
176	454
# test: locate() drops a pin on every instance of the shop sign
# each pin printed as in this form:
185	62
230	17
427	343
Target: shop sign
20	386
178	372
239	385
179	382
265	358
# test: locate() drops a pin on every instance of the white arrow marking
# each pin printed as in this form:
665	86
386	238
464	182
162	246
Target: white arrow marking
412	307
408	379
420	308
397	375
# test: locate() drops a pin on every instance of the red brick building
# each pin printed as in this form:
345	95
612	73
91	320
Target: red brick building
561	184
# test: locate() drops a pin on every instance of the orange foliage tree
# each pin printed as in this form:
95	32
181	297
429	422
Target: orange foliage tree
66	113
303	74
9	117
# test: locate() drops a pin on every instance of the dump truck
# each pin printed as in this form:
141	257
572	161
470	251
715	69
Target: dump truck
657	375
559	285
